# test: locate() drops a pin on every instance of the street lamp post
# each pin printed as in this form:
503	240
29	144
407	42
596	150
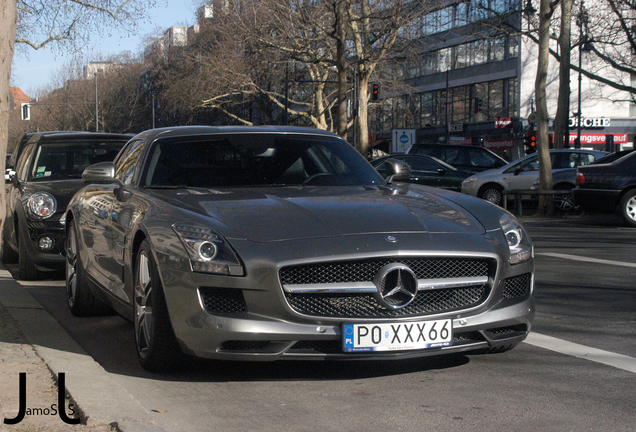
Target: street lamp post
96	106
581	20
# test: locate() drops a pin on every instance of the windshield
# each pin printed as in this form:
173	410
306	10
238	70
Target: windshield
68	160
256	160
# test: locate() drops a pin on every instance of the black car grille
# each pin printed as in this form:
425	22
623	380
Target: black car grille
223	300
364	305
362	271
518	286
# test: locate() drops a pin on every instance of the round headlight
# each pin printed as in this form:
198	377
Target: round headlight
207	250
41	205
514	238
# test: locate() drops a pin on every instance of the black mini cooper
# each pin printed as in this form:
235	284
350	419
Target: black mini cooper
45	175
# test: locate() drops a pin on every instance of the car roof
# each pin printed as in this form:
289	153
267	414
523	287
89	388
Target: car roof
76	135
556	151
180	131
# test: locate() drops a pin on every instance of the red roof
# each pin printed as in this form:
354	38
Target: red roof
18	96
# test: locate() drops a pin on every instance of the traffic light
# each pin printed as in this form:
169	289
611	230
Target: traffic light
374	91
479	103
530	142
26	111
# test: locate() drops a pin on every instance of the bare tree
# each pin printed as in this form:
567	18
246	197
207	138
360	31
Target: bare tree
67	23
546	11
562	116
8	21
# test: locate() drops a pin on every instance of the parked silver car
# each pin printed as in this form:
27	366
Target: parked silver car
522	173
262	243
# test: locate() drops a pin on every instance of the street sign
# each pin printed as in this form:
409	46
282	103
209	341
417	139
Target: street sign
402	139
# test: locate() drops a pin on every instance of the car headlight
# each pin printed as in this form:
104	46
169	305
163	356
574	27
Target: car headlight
517	239
41	205
469	180
208	251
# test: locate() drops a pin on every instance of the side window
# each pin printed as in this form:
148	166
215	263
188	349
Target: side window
531	164
23	162
452	156
424	150
417	164
586	159
564	160
381	169
126	165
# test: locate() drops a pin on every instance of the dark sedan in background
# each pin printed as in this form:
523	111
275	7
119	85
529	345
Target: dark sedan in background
609	186
427	170
264	243
47	173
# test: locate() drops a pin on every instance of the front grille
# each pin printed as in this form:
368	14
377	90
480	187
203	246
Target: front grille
506	332
247	346
364	305
324	347
222	300
518	286
365	270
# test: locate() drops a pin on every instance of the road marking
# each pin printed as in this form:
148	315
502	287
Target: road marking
561	346
586	259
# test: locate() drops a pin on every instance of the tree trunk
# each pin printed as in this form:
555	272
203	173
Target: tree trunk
363	114
545	165
563	109
8	23
341	66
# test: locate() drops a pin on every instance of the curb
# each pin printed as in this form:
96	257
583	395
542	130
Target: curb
97	396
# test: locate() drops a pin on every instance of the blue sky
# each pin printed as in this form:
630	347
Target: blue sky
36	69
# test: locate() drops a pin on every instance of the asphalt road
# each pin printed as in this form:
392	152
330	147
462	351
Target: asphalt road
577	371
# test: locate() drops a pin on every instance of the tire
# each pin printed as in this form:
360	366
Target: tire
628	207
157	347
565	202
81	301
492	193
26	269
9	256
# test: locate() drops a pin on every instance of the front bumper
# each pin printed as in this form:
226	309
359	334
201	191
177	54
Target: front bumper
250	319
470	187
53	258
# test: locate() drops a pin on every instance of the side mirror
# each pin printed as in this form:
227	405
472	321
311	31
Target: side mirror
441	171
396	170
104	173
99	173
9	175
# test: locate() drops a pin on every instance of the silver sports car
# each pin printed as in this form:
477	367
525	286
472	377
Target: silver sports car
265	243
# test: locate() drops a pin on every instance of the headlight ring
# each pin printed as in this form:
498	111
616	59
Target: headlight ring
41	205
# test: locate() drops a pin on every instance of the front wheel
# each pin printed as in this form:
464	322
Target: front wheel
492	193
565	202
157	348
628	207
81	301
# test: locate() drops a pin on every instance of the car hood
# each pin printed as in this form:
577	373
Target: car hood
275	214
62	190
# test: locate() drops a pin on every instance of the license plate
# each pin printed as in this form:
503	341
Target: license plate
397	337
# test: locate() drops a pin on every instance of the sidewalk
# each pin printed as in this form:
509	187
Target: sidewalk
33	342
